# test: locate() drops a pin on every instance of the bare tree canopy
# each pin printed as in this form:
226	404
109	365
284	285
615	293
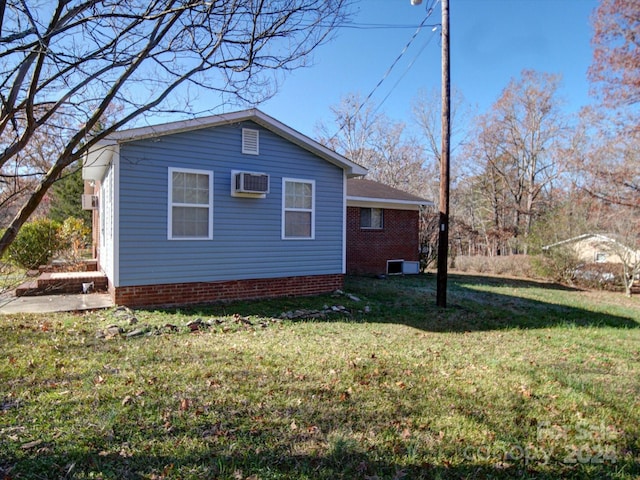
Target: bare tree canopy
615	70
376	142
65	65
607	160
518	149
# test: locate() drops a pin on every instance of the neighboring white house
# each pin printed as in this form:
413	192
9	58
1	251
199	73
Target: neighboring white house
596	248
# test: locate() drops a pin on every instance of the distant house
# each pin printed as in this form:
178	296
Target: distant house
229	206
595	248
383	226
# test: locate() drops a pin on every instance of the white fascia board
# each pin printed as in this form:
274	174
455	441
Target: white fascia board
386	203
98	159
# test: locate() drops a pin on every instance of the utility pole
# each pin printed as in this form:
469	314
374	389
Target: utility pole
443	220
443	223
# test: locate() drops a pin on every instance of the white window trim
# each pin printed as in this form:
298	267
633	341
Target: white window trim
313	208
170	203
372	209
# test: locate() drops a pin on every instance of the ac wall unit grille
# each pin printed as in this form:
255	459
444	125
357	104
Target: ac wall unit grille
247	182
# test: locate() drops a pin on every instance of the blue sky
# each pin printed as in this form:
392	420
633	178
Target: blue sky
492	41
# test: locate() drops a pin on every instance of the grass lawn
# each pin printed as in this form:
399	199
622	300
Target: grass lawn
514	379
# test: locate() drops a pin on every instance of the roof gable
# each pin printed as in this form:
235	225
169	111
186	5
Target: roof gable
99	157
598	237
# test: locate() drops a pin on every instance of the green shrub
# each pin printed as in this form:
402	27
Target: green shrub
558	264
36	244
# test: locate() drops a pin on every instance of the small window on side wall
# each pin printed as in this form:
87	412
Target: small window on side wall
372	218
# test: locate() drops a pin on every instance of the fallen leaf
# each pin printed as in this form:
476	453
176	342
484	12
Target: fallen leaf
127	400
28	445
185	403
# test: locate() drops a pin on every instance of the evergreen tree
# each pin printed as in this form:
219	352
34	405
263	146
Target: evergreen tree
66	198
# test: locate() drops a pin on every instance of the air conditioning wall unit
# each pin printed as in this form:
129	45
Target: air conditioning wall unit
249	184
89	202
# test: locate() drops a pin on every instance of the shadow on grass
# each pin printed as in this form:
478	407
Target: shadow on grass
344	462
476	303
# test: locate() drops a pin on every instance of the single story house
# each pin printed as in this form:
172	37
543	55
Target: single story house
596	248
383	225
225	207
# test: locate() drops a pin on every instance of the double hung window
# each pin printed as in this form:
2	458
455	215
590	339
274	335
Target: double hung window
190	215
371	218
298	209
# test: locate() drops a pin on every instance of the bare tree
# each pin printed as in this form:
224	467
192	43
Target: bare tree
377	143
63	64
520	143
606	161
615	70
351	132
626	249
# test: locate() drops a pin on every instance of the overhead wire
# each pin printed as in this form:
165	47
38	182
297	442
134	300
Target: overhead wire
422	24
413	60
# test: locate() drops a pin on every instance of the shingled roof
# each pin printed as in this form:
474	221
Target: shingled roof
360	190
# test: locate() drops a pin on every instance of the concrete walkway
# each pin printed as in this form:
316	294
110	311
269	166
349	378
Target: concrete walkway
54	303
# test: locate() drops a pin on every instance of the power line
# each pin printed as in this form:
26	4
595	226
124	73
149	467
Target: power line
391	67
413	60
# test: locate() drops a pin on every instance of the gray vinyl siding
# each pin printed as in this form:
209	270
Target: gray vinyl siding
246	231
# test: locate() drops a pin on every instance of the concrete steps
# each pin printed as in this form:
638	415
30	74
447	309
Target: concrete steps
49	283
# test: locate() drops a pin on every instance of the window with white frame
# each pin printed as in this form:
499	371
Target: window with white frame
371	218
298	209
190	204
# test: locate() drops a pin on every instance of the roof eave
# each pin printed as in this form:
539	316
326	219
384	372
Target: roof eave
98	159
392	203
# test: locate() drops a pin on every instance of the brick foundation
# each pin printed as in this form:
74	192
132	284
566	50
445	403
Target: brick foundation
368	250
208	292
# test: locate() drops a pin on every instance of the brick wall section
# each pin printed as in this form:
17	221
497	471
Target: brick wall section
369	250
208	292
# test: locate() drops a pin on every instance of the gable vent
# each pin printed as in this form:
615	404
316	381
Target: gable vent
250	141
